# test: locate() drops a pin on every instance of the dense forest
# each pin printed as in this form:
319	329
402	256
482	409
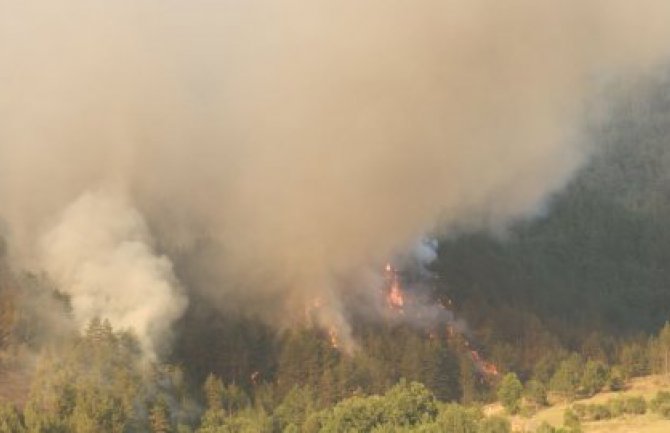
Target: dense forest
569	303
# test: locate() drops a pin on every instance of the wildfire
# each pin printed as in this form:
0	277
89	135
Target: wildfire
395	297
333	338
397	303
486	367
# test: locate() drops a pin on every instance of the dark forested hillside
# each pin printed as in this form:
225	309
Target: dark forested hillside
598	261
589	277
570	302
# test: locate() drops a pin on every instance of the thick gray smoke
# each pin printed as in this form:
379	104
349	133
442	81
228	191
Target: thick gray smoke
277	151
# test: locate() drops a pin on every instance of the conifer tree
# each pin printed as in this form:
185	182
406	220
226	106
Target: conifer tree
536	393
664	341
467	380
567	377
159	417
594	378
213	389
509	392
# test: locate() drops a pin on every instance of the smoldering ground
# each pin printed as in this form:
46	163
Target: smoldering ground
274	153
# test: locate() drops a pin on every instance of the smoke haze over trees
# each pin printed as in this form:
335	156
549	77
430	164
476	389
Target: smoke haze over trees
280	154
198	201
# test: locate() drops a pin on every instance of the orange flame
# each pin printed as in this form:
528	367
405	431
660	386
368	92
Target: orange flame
486	367
490	369
333	338
395	298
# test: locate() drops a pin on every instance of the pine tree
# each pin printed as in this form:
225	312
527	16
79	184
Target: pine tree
594	378
509	392
328	393
467	380
296	407
536	393
566	379
634	359
213	389
234	399
291	369
444	380
664	341
159	417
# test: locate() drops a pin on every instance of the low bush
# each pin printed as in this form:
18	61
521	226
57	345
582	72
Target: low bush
613	408
661	404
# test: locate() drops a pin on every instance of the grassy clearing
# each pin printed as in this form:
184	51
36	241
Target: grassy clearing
646	387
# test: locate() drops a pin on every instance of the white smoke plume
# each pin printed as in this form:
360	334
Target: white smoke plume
418	257
279	150
101	254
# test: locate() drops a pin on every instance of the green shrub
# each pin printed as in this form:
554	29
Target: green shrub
545	427
459	419
614	407
527	411
635	405
595	377
495	424
571	422
580	410
536	393
10	419
661	404
616	380
617	406
598	412
510	391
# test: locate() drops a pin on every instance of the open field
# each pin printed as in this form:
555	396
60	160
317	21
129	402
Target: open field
646	387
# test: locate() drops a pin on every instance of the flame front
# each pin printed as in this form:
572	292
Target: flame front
395	297
486	367
333	338
398	304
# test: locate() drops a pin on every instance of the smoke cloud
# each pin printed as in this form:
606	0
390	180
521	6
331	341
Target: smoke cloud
278	151
101	254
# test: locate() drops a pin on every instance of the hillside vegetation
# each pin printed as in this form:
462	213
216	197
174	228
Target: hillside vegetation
568	308
649	422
